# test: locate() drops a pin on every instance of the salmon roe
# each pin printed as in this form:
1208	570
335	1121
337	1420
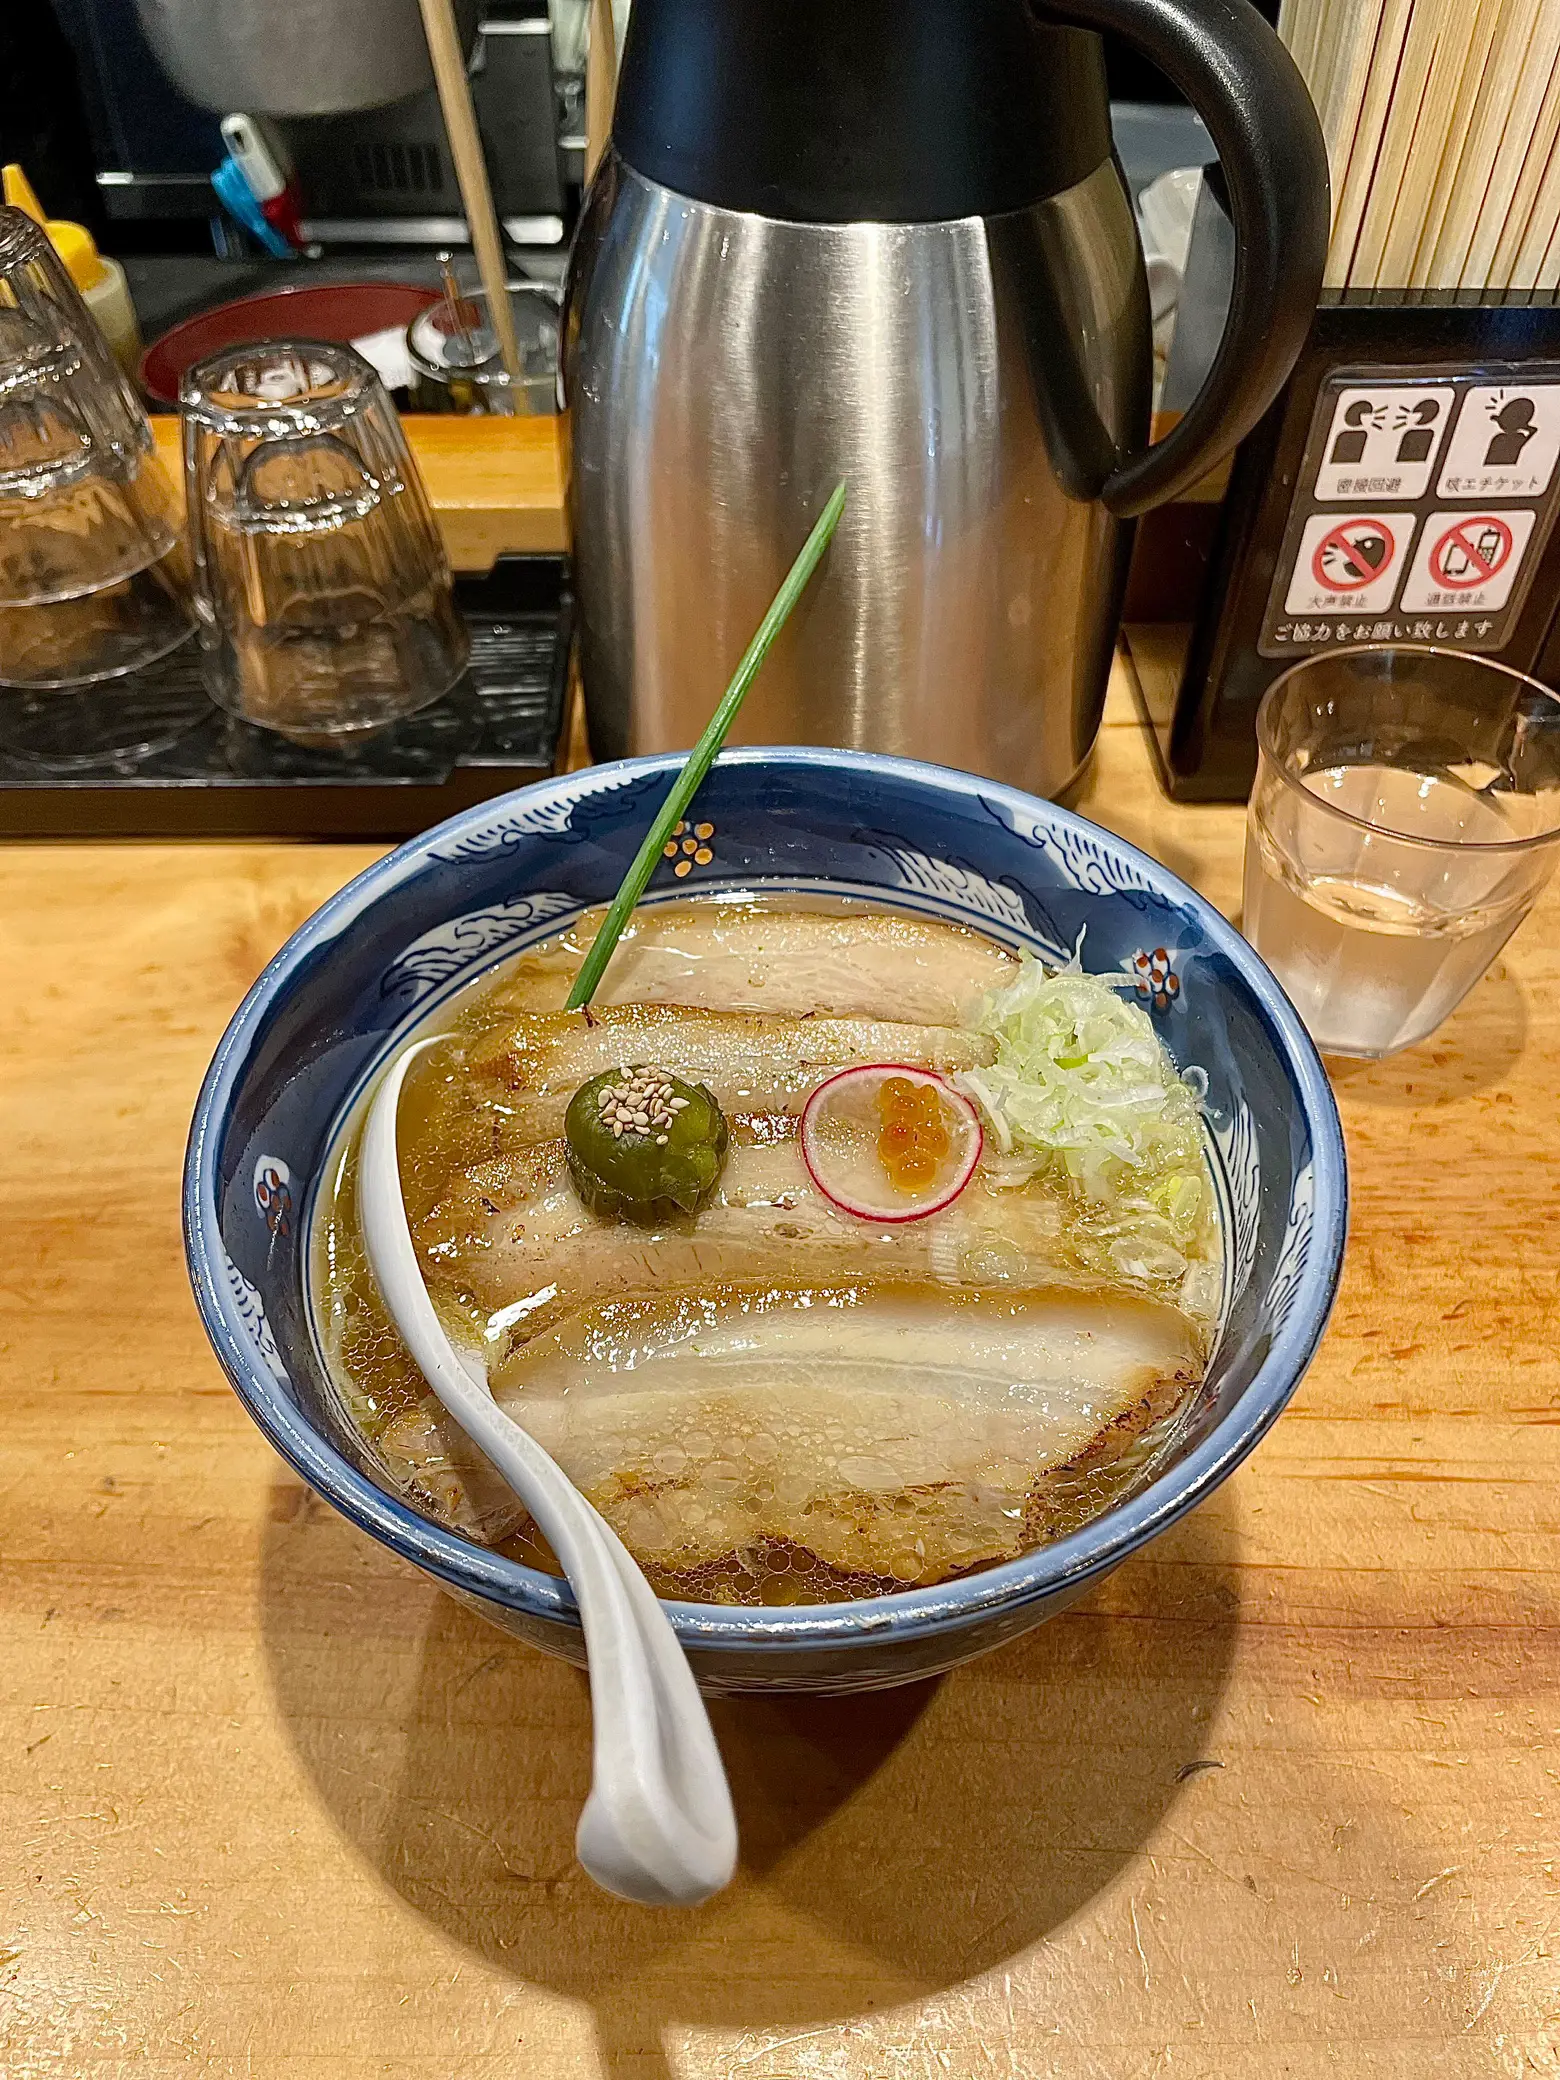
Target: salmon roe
913	1142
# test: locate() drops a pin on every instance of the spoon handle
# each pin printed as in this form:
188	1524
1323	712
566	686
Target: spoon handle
658	1826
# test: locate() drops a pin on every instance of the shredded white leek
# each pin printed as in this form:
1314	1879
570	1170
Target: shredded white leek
1083	1094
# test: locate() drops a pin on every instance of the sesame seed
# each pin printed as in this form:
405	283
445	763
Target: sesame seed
640	1104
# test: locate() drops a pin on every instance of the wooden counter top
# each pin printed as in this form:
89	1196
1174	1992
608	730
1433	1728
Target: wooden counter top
1279	1799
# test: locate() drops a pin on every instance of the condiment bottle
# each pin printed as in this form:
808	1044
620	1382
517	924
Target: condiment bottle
101	281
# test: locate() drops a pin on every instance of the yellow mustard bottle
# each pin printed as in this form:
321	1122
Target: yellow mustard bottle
101	281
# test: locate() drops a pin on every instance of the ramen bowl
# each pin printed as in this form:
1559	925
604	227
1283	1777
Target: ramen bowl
435	915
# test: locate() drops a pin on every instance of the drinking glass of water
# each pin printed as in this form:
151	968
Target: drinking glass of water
1405	816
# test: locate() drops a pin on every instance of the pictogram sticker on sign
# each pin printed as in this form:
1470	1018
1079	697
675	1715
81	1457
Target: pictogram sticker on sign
1349	563
1505	443
1469	561
1382	442
1352	554
1471	552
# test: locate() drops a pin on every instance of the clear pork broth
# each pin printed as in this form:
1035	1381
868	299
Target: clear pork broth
772	1401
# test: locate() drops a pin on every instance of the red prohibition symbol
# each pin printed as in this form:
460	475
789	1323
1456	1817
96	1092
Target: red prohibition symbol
1352	555
1471	553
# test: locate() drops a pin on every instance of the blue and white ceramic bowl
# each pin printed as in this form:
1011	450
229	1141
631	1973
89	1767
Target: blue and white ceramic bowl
424	922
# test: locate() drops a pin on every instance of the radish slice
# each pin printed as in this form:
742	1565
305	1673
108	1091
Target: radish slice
890	1143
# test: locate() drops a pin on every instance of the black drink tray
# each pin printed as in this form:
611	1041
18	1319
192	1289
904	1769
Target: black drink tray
150	756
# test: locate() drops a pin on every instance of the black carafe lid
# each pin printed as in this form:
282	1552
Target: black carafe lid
829	111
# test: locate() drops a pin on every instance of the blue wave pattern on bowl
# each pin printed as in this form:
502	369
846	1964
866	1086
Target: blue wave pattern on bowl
438	912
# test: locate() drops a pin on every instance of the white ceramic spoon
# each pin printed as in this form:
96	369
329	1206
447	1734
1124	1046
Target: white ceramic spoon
658	1826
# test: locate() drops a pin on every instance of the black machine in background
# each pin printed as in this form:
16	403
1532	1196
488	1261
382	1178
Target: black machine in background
381	176
386	175
43	123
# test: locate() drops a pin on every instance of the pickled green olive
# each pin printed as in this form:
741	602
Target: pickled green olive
643	1145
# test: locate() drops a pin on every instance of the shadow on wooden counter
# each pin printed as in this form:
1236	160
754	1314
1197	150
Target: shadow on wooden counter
894	1845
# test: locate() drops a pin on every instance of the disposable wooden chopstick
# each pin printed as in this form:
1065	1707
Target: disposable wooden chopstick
460	122
1549	269
1459	120
1325	35
1514	32
1442	124
1516	135
1541	232
1386	53
1524	237
1344	97
1324	59
600	82
1455	118
1391	189
1299	23
1431	146
1539	228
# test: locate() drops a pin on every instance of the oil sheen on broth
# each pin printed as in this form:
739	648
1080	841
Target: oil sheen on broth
779	1398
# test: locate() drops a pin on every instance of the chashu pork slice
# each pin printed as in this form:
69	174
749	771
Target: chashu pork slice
752	1061
891	1430
513	1234
736	957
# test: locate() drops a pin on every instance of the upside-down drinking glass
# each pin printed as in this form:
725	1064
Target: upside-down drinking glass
91	572
322	585
1404	819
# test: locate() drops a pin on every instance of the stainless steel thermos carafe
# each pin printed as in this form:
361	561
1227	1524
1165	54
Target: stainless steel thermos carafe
889	241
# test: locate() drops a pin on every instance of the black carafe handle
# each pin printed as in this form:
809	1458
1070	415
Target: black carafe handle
1244	84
